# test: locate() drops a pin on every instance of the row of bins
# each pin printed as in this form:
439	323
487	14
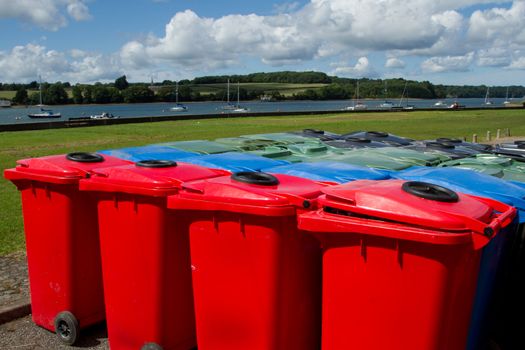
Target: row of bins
266	260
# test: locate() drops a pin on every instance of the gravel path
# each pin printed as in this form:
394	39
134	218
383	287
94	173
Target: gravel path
23	334
14	285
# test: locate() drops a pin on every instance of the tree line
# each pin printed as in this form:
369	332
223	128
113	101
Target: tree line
334	88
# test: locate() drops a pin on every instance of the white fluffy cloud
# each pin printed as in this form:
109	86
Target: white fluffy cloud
48	14
448	63
26	63
441	35
362	68
394	62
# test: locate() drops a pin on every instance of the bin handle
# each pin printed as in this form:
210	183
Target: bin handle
358	139
84	157
255	178
156	163
448	139
444	145
314	131
377	133
430	191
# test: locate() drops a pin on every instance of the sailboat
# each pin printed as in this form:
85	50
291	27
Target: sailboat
506	102
178	106
356	105
487	101
238	108
44	113
229	106
407	107
387	104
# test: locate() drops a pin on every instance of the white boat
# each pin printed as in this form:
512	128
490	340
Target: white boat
229	106
440	104
488	102
238	108
386	104
179	107
5	103
356	104
507	102
104	115
44	113
407	106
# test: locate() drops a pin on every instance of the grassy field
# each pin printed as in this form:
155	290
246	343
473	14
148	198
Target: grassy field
418	125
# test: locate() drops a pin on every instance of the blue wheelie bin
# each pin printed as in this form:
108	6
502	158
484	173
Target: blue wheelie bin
136	154
502	263
235	162
330	172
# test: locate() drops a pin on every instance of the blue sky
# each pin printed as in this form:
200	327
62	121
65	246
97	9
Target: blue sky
447	41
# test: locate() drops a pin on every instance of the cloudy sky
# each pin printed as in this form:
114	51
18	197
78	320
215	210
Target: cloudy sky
443	41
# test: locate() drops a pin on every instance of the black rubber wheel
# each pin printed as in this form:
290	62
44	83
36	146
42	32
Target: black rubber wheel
430	191
67	328
255	178
156	163
151	346
84	157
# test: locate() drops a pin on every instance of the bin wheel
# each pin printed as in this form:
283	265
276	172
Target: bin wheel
156	163
430	191
151	346
448	139
84	157
377	133
255	178
67	328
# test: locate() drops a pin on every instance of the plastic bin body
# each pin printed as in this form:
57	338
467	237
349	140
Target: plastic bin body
235	162
407	155
244	144
458	142
390	139
496	255
283	138
62	242
330	172
448	149
362	157
256	279
199	146
136	154
318	134
145	255
499	166
355	142
277	153
399	271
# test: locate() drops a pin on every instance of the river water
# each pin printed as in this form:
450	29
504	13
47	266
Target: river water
19	115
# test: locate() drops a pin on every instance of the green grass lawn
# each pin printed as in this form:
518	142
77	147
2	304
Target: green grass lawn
7	94
417	125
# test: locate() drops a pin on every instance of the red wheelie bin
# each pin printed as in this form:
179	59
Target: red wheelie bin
62	242
400	263
256	279
145	254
